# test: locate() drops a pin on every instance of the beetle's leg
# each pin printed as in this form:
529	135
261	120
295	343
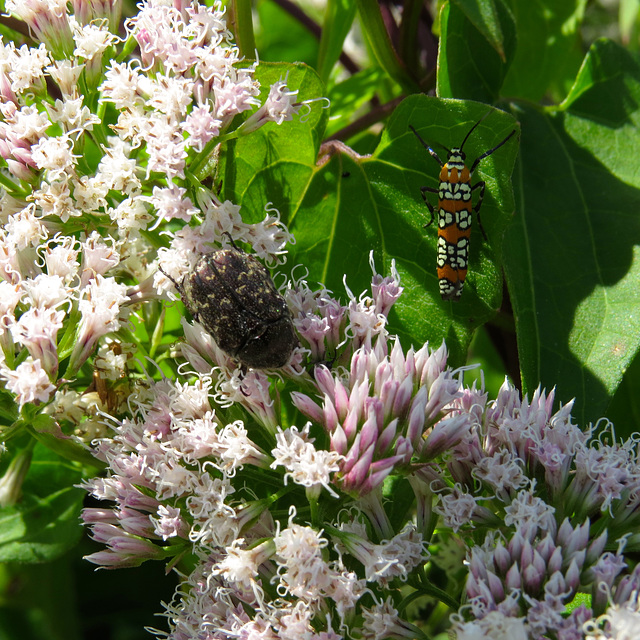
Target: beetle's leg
481	186
175	284
233	244
424	191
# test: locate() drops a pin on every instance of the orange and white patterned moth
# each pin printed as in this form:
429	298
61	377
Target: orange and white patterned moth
455	204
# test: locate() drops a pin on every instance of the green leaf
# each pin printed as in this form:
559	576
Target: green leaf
549	52
44	524
39	531
350	95
8	409
483	14
47	431
338	18
571	255
40	601
399	168
469	66
624	410
274	163
628	21
380	43
349	205
280	36
71	332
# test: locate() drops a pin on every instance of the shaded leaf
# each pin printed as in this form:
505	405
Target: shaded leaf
624	410
380	43
571	253
483	14
338	18
548	55
45	523
468	65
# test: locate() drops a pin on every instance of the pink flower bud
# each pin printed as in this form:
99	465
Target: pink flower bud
307	406
358	472
513	579
338	440
341	400
329	415
386	438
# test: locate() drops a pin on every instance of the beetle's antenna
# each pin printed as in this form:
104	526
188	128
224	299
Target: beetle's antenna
233	244
166	275
488	153
473	128
428	148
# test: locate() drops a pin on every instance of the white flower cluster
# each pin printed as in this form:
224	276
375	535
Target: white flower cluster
95	150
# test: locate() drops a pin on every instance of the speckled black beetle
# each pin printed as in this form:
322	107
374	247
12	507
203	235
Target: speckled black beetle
231	294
